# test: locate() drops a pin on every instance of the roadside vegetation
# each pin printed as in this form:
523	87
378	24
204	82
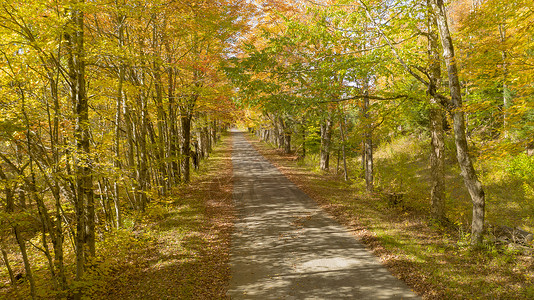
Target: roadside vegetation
177	249
409	96
412	112
436	260
107	109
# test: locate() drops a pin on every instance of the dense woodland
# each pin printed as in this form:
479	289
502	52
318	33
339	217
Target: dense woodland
108	107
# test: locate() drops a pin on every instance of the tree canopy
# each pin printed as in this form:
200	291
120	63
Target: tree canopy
106	106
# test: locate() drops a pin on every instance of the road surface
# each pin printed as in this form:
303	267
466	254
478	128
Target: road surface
285	247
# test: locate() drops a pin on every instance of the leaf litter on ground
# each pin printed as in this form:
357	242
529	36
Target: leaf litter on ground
183	244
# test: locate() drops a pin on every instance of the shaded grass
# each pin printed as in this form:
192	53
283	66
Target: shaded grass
403	166
434	261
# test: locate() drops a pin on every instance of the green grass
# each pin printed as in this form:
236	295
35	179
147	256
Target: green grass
435	261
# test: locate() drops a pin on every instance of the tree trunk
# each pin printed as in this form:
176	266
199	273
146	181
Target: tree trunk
57	232
287	142
285	136
362	152
303	138
209	146
368	140
468	171
173	132
163	177
342	132
8	267
530	148
161	124
338	159
505	91
84	202
437	144
27	266
130	153
276	134
143	171
186	145
10	206
437	163
214	132
116	144
369	162
326	136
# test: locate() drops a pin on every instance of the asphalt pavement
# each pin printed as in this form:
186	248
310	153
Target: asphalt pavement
285	247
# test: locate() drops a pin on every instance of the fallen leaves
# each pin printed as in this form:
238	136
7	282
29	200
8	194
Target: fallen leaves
188	253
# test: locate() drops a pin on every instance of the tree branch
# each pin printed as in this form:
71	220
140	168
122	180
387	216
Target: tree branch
368	96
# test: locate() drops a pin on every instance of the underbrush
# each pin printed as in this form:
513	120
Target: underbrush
187	240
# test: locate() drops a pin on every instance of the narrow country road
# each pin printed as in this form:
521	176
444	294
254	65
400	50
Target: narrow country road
285	247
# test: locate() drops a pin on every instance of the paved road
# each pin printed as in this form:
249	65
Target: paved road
285	247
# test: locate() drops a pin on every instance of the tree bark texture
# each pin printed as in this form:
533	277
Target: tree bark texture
437	144
342	132
186	145
466	165
173	164
505	92
437	164
8	267
84	202
118	118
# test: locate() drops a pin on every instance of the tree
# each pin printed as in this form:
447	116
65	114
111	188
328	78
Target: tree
462	150
90	102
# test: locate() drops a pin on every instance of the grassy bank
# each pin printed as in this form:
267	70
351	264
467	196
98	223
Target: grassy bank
435	261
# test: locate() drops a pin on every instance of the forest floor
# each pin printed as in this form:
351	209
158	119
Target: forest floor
181	249
435	261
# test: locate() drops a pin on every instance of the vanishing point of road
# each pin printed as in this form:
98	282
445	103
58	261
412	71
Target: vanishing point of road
285	247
